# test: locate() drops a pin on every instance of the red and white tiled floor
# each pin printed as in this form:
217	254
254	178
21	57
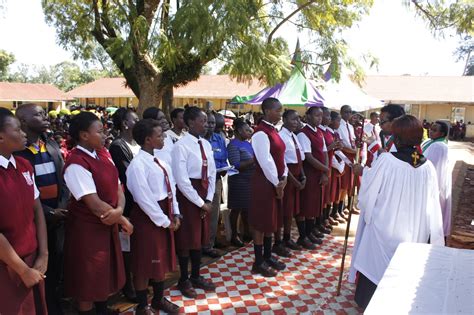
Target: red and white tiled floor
307	285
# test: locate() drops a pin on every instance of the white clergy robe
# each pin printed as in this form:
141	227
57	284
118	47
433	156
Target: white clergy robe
437	153
398	203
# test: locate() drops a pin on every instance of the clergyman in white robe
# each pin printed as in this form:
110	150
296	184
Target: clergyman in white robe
398	203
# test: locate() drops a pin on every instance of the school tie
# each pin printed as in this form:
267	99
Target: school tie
297	149
204	178
168	188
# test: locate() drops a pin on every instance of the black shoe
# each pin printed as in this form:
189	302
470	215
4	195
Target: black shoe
281	250
317	233
306	243
211	252
147	310
237	242
187	289
292	245
324	230
202	283
264	269
275	264
166	306
314	239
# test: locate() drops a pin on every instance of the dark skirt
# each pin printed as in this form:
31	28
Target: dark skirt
194	231
152	247
265	214
239	190
93	261
291	197
334	186
312	195
364	291
15	298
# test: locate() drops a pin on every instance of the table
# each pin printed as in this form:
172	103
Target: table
428	279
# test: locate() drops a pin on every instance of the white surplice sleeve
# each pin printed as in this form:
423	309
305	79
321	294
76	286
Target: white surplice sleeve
180	172
435	217
138	186
261	148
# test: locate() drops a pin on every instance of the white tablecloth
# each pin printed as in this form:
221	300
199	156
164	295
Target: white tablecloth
426	279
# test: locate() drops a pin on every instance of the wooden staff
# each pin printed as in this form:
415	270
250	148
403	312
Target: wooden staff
351	204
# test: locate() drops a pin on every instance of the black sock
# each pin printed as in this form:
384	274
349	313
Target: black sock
158	289
327	210
101	308
301	228
335	206
341	207
195	255
142	298
317	221
309	224
183	268
286	237
267	247
258	250
349	199
277	238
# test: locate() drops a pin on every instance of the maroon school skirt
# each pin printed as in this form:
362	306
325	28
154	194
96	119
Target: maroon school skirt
347	178
152	247
93	261
194	231
334	186
265	213
291	197
311	196
15	298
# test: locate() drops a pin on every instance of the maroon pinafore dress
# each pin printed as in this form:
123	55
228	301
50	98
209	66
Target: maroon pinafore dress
291	197
18	226
93	263
312	194
265	213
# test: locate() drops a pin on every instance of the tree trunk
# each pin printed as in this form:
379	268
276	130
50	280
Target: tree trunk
150	95
167	101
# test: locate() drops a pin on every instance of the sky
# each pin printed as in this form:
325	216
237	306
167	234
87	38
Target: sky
391	32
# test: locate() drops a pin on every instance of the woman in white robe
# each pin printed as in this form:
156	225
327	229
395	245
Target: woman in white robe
435	150
399	203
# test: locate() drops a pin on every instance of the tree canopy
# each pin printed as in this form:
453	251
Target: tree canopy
6	59
160	44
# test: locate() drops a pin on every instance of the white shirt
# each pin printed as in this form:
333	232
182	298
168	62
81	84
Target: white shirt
398	203
339	166
347	138
261	148
31	177
164	153
78	180
135	148
291	151
372	131
187	164
306	143
437	153
146	182
174	137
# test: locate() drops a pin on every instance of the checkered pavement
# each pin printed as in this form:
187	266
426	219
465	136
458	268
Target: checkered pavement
307	285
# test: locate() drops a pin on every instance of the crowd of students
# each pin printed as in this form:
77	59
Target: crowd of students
121	218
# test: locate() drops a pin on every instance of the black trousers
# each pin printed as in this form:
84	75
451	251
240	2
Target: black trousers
364	291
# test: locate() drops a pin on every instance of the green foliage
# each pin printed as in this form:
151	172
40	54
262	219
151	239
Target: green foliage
465	52
6	59
442	15
165	45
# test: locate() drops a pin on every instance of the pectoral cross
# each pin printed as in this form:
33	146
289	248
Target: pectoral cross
415	157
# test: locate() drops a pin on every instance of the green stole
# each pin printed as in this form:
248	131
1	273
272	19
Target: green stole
427	144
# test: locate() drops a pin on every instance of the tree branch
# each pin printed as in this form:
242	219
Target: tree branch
270	36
